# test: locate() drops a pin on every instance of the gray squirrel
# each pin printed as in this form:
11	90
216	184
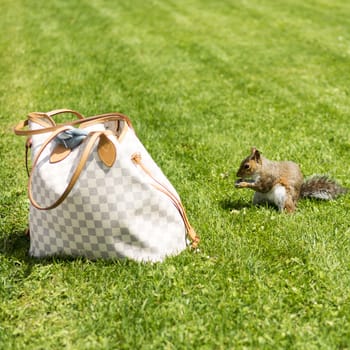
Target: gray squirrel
282	183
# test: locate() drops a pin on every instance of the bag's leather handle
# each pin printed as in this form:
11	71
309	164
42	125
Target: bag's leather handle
90	142
48	124
47	116
56	112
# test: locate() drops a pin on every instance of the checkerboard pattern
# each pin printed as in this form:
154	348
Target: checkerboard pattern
110	213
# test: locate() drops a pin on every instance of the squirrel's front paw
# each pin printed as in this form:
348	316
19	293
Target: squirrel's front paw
240	183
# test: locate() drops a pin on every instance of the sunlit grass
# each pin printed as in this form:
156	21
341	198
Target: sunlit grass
202	81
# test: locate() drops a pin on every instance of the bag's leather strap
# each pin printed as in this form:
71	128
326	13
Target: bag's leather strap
89	144
45	120
48	124
50	114
136	158
190	230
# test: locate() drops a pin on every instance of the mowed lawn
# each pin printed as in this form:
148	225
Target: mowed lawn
202	81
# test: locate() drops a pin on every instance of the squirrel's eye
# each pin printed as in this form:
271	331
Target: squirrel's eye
246	166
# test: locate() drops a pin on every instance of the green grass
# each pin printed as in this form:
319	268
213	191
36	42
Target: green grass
202	81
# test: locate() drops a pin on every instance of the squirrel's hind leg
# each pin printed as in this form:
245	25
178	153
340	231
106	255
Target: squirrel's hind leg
277	196
290	206
290	203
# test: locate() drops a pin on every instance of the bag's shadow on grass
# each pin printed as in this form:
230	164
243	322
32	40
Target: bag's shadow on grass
15	247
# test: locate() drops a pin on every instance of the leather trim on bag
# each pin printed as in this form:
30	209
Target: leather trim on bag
106	150
59	153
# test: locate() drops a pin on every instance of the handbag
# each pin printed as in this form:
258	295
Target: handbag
95	191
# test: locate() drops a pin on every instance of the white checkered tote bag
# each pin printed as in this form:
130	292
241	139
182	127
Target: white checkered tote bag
96	192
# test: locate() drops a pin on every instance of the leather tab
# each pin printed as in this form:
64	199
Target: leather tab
59	153
106	151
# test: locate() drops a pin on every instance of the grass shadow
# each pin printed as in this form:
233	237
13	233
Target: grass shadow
229	204
15	245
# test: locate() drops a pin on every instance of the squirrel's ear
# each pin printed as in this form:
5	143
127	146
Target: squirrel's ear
256	154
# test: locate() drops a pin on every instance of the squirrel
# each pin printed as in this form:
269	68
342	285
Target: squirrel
282	183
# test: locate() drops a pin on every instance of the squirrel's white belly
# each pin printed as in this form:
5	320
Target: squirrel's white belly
276	196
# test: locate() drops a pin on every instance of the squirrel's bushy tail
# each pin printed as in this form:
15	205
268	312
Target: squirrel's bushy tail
321	187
